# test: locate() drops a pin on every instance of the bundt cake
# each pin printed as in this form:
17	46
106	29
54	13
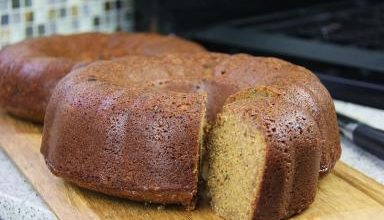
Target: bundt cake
29	70
257	130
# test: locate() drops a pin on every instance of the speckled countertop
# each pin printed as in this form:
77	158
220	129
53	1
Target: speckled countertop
18	200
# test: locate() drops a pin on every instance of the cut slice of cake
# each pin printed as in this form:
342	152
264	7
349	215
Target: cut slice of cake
261	157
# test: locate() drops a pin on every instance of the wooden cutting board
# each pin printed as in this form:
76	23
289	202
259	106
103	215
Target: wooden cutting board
343	194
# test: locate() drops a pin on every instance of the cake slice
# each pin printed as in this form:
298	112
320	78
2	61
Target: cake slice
261	155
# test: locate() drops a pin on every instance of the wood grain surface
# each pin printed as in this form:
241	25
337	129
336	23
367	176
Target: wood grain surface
344	194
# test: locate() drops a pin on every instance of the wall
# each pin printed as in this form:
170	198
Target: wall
20	19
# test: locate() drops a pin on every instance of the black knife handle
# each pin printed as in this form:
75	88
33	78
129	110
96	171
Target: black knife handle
370	139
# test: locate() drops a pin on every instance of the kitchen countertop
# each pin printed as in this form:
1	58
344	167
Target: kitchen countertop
18	200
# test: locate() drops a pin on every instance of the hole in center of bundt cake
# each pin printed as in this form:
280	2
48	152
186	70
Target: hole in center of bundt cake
236	162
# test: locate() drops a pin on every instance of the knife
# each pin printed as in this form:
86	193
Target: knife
364	136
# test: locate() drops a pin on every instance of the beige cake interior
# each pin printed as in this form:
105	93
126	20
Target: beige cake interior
236	165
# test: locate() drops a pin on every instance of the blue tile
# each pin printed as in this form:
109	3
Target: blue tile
63	12
86	10
4	20
119	4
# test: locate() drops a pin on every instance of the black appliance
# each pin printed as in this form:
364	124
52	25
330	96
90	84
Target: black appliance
341	41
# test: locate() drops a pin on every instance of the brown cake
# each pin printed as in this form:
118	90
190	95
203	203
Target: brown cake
262	128
29	70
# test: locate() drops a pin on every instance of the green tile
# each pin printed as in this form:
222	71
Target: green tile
41	29
15	3
29	31
28	3
74	11
96	21
52	14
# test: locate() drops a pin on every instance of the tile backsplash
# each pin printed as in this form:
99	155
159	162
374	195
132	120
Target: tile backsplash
20	19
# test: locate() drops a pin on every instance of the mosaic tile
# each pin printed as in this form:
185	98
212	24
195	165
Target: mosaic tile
28	3
4	19
16	18
29	16
20	19
128	15
107	6
52	14
74	11
52	28
15	3
108	18
3	5
63	12
96	21
29	31
41	29
5	34
75	24
85	9
119	4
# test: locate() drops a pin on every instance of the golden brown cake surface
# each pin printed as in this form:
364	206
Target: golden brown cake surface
132	127
30	70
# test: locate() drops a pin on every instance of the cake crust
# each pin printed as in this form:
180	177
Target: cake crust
30	70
